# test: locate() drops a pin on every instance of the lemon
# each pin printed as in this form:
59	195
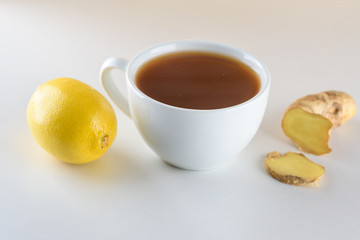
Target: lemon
71	120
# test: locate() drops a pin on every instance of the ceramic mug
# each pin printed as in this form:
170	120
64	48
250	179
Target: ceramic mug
188	138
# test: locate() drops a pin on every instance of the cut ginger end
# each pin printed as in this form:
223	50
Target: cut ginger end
293	168
309	131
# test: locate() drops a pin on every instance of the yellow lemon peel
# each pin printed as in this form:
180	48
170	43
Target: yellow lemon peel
71	120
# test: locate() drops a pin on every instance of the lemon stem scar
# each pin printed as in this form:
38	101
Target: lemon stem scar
105	141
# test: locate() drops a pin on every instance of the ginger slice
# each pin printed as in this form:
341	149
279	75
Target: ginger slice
293	168
309	120
310	132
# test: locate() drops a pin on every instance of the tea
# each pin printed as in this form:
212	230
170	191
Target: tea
198	80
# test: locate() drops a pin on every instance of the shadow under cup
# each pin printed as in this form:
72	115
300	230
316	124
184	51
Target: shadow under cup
196	139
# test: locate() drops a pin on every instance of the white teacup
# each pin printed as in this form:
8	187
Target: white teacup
189	138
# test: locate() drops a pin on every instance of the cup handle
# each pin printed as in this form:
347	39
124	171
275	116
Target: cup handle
109	85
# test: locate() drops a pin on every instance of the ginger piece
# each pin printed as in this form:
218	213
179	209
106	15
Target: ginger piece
309	120
293	168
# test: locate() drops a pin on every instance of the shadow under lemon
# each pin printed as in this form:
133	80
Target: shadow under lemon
116	163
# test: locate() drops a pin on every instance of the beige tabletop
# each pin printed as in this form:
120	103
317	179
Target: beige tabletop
309	46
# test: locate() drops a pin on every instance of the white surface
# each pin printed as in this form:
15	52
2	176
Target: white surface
309	46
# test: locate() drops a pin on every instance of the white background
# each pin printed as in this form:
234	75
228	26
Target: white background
309	46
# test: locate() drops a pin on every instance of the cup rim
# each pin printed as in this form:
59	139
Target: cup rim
265	81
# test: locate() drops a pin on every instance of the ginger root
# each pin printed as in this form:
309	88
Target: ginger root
309	120
293	168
